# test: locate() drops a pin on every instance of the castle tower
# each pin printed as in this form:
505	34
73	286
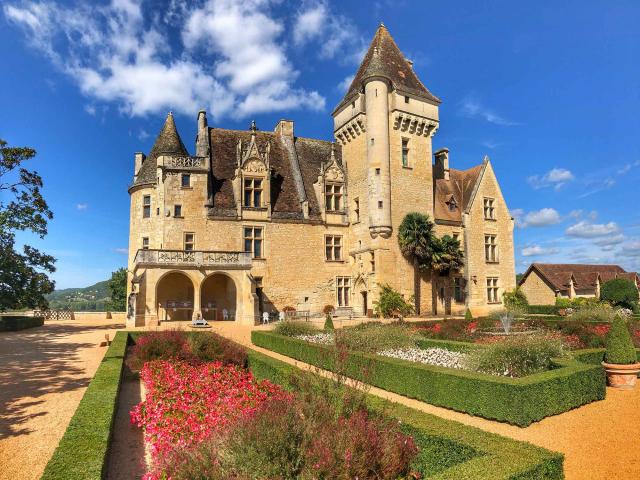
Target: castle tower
385	123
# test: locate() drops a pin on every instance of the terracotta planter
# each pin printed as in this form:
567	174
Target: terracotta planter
621	376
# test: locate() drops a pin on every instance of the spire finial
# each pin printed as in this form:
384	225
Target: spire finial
382	25
253	127
333	151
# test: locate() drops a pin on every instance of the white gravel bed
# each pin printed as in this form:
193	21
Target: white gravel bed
431	356
322	338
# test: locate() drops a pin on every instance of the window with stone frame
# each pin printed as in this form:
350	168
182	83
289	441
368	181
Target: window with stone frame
343	291
373	261
189	241
146	206
490	249
333	248
254	241
458	290
356	210
489	209
253	188
145	243
405	153
177	211
492	290
333	197
185	180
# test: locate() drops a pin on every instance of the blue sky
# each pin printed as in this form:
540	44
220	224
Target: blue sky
549	90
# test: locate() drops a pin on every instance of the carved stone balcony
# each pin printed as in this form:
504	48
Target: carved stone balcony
193	258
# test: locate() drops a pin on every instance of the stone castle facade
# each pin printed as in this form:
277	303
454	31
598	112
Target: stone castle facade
258	221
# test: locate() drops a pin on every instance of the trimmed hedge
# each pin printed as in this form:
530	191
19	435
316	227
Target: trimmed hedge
448	450
15	323
519	401
82	452
543	309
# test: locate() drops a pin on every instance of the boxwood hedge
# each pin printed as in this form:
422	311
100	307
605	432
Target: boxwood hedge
448	450
18	322
519	401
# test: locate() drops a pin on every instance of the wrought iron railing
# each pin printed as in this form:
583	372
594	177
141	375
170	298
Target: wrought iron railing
194	258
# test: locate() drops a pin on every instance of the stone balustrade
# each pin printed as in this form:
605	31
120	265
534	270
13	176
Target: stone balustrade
194	258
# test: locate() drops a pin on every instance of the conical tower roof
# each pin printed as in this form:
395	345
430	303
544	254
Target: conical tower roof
384	59
168	141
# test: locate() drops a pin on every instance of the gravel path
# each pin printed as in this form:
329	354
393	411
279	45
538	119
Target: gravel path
44	372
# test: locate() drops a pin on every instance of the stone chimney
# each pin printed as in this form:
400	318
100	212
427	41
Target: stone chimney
285	128
202	138
139	160
441	166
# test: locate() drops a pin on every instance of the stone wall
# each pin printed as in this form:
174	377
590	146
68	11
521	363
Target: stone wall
538	291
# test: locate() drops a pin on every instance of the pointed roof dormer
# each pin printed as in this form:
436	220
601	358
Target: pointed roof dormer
168	141
384	59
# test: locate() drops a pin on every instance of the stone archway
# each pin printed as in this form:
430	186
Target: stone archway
174	297
218	297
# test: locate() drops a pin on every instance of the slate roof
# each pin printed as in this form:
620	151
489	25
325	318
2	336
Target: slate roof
167	142
459	186
559	275
285	200
384	59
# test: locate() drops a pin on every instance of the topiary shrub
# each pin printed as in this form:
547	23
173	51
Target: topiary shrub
467	315
620	292
620	349
391	301
328	322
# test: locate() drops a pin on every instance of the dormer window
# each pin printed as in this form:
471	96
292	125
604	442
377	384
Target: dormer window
253	192
333	197
452	204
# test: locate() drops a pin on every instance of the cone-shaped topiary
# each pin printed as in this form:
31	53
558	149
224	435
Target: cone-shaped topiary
328	322
467	315
620	349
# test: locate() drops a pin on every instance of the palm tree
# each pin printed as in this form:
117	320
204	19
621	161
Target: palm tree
446	255
415	237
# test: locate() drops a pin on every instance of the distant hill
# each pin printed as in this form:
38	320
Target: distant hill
93	298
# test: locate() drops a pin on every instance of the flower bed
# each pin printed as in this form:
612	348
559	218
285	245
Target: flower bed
519	401
186	403
447	449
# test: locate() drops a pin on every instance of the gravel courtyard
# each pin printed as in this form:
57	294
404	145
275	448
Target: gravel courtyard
44	372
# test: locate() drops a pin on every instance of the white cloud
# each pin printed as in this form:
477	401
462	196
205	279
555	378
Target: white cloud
81	206
537	250
124	251
473	108
344	85
232	61
537	218
336	35
309	22
556	178
585	229
143	134
609	241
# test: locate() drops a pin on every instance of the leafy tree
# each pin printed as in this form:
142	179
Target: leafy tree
515	299
446	255
118	289
23	275
427	252
391	301
415	237
620	292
